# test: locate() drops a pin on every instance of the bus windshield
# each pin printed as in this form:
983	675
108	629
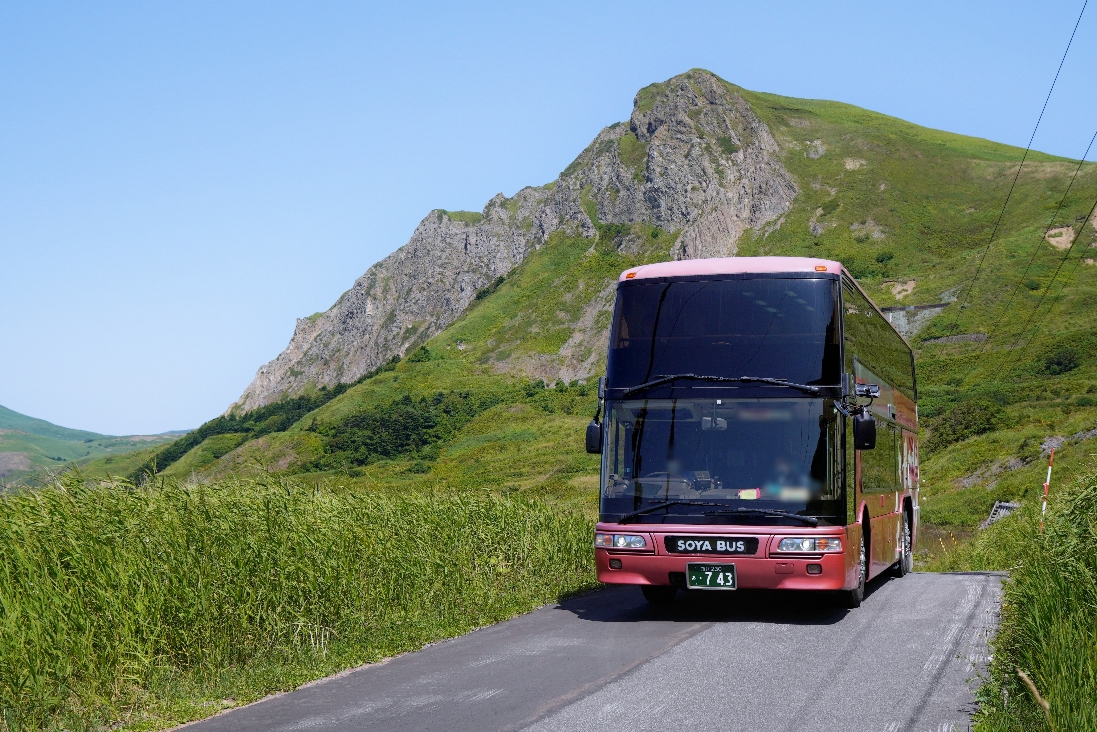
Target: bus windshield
776	327
739	461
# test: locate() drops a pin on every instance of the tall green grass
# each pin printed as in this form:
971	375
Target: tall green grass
1049	616
152	604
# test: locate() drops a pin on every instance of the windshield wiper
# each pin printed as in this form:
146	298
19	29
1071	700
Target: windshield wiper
721	379
665	504
810	520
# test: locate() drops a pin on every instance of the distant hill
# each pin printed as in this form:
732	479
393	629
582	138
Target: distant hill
28	446
433	366
11	420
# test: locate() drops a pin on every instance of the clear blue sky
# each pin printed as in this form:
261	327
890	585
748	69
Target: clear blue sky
180	181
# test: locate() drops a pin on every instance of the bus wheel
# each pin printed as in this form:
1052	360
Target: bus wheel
906	561
852	598
658	594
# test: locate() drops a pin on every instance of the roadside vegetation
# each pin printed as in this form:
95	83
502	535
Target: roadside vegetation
1049	614
152	605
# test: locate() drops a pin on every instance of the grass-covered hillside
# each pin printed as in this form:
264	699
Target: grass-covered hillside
30	447
911	211
908	209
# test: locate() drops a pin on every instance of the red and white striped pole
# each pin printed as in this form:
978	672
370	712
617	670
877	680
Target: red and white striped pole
1047	485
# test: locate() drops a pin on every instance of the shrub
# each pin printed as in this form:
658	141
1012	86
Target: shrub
419	355
967	419
401	428
485	291
727	145
1060	361
633	154
1028	450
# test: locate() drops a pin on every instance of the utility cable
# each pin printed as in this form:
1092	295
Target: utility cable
1039	245
994	231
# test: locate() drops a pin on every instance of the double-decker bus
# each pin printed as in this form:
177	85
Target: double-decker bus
760	430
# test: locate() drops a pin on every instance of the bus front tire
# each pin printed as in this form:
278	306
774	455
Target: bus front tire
852	598
906	561
658	594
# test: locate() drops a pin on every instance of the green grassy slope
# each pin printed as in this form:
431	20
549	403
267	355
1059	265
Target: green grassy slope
910	210
28	446
900	203
12	420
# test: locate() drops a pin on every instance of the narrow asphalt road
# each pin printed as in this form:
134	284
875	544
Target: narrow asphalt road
907	659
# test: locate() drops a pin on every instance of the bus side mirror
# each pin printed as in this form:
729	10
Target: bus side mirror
864	432
594	437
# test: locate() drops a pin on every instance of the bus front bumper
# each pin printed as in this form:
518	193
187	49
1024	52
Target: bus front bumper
762	570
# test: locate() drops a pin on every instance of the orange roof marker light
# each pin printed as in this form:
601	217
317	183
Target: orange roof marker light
693	268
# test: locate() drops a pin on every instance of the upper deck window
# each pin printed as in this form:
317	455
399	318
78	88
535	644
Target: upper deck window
776	327
871	340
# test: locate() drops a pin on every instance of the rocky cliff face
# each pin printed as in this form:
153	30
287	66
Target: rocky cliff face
693	158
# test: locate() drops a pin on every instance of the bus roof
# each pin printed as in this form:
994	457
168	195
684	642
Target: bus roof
731	265
745	265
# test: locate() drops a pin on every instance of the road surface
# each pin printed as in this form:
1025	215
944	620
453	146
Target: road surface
908	659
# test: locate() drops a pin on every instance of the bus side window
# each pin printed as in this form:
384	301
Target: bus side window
878	469
871	340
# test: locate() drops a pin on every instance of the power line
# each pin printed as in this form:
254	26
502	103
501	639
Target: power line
994	231
1039	245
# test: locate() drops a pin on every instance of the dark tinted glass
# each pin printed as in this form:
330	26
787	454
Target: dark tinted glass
879	471
774	454
774	327
872	341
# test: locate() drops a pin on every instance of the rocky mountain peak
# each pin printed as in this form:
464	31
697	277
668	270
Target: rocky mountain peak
693	158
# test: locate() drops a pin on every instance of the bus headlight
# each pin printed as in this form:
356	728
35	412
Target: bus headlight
811	544
619	541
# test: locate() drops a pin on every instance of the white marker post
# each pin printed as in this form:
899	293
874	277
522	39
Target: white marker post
1047	485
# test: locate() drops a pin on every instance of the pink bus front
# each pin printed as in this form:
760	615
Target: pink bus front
760	430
